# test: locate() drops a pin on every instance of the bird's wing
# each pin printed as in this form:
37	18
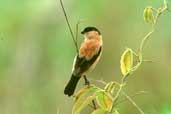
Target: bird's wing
81	64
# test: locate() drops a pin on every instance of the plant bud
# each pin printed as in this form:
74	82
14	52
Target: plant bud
148	15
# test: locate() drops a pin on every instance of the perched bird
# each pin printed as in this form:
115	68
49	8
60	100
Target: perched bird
87	58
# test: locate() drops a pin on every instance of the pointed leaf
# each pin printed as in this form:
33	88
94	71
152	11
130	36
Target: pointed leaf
80	105
81	95
126	61
110	87
148	15
104	100
82	92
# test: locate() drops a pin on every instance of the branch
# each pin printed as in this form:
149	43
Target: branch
132	101
101	81
145	39
159	12
132	96
123	80
69	26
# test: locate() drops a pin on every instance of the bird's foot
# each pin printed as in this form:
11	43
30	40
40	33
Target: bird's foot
87	82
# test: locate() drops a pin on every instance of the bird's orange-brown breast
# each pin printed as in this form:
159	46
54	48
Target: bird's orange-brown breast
89	48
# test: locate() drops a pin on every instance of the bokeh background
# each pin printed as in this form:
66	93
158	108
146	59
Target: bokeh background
36	53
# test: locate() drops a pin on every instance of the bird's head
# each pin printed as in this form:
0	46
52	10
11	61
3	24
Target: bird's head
91	32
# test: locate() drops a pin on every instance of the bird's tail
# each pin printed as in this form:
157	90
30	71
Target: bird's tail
70	87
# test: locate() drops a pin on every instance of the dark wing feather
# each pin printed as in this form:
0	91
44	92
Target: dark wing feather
83	65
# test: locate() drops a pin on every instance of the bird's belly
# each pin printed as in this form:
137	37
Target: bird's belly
92	66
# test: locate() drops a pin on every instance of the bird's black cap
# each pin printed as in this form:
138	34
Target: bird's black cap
88	29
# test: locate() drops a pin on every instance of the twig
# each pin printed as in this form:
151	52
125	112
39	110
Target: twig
150	61
132	101
69	26
123	80
99	81
76	31
125	99
159	12
145	39
147	36
94	104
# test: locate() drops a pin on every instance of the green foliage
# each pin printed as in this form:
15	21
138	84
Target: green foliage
104	100
107	98
110	87
82	99
148	15
80	105
126	61
82	93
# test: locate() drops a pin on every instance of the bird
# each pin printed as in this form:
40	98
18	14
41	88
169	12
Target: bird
88	56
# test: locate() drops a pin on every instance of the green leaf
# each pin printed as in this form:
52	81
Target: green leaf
82	92
80	105
81	96
110	87
126	62
104	100
100	111
148	15
115	112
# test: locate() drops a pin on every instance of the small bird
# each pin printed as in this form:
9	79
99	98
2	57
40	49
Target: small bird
87	58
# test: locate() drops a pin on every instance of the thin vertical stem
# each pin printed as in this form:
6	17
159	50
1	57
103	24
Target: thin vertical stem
76	32
69	26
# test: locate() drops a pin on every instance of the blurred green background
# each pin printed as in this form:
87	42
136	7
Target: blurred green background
36	53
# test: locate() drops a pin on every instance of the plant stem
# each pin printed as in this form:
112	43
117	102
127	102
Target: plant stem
69	26
123	80
76	32
159	12
147	36
132	96
144	40
132	101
